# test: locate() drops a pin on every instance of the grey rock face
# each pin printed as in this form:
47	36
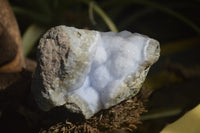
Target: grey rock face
87	71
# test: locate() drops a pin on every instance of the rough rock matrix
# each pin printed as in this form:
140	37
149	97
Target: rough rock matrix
87	71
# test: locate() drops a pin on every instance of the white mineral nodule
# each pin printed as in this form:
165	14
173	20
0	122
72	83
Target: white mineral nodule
87	71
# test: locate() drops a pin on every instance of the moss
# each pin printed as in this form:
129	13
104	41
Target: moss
125	115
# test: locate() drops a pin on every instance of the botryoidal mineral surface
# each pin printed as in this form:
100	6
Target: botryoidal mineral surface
87	71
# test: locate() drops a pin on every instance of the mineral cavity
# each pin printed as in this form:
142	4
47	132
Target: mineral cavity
87	71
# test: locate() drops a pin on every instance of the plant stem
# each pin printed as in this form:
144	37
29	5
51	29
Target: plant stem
170	12
160	8
102	14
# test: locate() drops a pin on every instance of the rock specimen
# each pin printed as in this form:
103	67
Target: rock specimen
87	71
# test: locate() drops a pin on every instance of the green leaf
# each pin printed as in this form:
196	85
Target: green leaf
189	123
30	37
37	16
160	8
102	14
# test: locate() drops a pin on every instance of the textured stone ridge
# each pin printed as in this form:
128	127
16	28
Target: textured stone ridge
89	70
53	47
55	66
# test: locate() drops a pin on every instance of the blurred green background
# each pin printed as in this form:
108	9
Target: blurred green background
174	79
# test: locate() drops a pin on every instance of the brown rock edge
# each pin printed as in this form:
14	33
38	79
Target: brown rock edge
11	59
